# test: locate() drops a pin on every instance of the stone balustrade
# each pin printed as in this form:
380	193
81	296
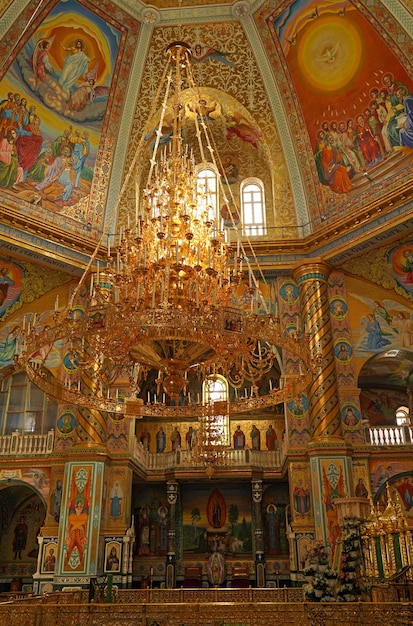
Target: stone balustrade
20	444
267	459
389	435
24	445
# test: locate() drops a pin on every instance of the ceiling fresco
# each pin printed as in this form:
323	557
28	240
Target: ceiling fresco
314	98
57	103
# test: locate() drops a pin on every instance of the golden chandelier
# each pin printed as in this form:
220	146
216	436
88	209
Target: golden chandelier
162	304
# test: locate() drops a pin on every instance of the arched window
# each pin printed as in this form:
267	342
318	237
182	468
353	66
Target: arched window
207	188
215	389
253	207
402	416
24	407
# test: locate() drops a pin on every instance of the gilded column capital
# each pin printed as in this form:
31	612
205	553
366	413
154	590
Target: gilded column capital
312	269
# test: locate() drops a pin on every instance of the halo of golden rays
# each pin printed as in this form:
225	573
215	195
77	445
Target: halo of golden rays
330	53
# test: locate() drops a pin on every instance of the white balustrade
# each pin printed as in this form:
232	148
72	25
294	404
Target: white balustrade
390	435
268	459
18	444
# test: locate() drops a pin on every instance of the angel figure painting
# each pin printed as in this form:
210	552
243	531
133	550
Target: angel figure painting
53	101
76	538
70	69
202	52
383	324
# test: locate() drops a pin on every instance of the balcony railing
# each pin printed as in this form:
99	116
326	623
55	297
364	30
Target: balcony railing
389	435
267	459
19	444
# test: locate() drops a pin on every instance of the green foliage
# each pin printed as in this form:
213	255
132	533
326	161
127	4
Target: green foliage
233	515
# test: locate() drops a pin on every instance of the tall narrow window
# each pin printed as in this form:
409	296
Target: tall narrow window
207	188
253	213
215	389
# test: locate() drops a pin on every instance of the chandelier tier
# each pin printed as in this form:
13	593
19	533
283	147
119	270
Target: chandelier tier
164	302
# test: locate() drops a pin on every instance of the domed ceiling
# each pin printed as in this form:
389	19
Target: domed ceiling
313	98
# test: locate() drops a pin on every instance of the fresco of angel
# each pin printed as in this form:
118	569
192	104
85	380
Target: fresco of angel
40	60
77	520
202	53
388	323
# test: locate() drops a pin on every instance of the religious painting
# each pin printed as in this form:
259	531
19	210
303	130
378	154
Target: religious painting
300	493
350	415
355	102
299	406
379	323
298	420
113	552
37	477
49	556
333	487
117	496
229	211
361	479
152	514
274	508
401	259
289	293
56	494
66	423
343	350
19	547
55	98
305	544
338	308
11	276
216	519
202	52
9	344
401	490
78	520
382	472
229	169
378	405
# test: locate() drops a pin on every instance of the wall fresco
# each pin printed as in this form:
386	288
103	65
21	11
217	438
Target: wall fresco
216	519
79	529
55	102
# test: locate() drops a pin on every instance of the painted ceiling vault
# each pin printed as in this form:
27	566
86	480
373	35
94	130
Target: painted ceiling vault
312	97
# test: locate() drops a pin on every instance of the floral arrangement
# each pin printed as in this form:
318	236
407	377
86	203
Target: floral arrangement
310	571
319	554
323	577
349	589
